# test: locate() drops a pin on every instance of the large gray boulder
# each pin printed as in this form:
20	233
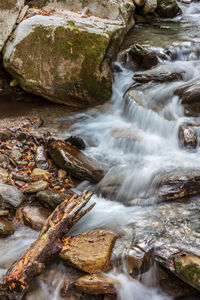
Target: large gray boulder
9	12
65	57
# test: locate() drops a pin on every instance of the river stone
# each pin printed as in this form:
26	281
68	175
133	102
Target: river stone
36	187
52	199
35	217
150	6
177	185
89	251
143	57
167	8
139	2
5	135
183	264
41	158
75	162
3	175
9	12
10	196
40	174
96	284
189	94
5	228
157	77
76	71
138	261
187	137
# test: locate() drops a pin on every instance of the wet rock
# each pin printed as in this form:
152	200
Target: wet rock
90	251
189	95
9	11
3	175
168	8
5	135
75	162
171	285
35	217
184	265
96	284
22	136
22	177
41	158
36	186
52	198
5	228
40	174
178	185
91	82
4	213
10	196
143	57
76	141
150	6
187	137
3	158
160	77
138	261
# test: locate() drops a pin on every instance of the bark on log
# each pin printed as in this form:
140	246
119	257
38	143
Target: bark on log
33	261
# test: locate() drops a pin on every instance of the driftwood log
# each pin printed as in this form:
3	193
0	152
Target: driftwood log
33	261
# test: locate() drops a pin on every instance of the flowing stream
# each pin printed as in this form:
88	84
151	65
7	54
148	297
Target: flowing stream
136	144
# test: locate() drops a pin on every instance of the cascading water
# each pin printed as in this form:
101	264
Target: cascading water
136	144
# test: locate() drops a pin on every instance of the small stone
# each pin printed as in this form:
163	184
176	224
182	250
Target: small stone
13	83
52	198
35	217
40	174
150	6
10	196
22	136
3	158
5	228
3	175
4	213
90	251
5	135
36	186
41	158
96	284
62	174
16	154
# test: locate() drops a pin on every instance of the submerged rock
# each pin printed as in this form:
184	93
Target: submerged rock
5	228
35	216
52	199
96	284
143	57
90	251
184	265
74	161
187	137
10	196
76	71
168	8
9	12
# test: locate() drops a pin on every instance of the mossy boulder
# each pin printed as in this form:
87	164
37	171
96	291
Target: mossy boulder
9	11
168	8
64	57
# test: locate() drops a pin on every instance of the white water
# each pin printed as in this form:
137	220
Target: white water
147	148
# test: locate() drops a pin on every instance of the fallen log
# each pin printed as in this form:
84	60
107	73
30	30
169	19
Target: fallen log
33	261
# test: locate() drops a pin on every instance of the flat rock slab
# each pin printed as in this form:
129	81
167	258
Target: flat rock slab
73	160
96	284
184	265
10	196
9	12
90	251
